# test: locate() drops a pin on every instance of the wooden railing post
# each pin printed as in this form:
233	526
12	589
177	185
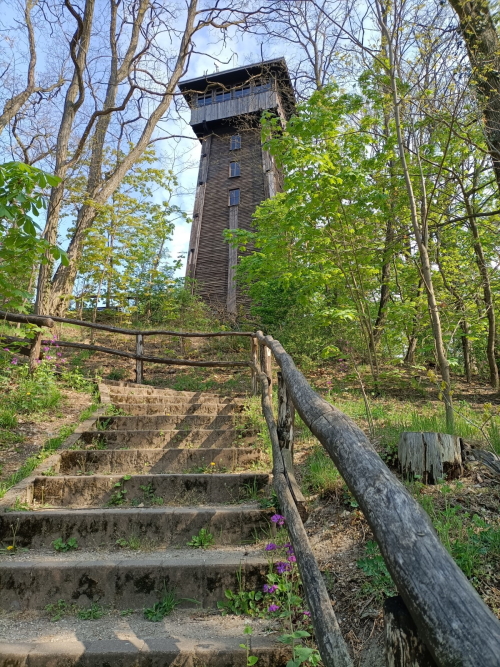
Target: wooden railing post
286	417
35	352
139	365
403	646
255	361
265	364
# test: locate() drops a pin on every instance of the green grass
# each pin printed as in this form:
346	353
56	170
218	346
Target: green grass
473	542
162	608
321	475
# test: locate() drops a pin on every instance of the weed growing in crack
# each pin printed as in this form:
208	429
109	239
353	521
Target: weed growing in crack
60	545
118	497
133	542
203	540
19	506
251	659
150	498
162	608
57	610
93	613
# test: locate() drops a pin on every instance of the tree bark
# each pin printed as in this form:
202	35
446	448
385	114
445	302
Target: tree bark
430	456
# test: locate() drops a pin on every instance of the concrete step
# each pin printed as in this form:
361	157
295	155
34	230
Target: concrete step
182	638
128	583
164	422
148	526
203	438
177	408
183	489
155	461
170	397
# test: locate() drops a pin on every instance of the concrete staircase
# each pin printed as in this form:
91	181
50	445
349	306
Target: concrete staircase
133	490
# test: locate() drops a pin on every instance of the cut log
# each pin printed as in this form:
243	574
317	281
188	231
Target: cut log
430	456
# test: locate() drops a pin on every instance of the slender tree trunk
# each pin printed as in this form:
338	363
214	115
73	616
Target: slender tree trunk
425	264
466	350
487	293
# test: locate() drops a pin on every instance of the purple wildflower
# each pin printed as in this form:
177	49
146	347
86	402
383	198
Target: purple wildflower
291	559
278	519
273	607
271	546
282	567
14	361
306	613
6	349
269	588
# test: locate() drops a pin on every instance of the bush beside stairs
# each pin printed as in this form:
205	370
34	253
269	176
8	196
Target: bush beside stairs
100	531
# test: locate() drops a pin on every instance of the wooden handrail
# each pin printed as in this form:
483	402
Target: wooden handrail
456	625
40	320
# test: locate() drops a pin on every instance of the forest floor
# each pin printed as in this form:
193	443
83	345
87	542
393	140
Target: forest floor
465	512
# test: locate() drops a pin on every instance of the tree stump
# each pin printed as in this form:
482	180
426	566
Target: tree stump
432	456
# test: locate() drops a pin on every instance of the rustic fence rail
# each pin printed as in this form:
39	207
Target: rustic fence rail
449	619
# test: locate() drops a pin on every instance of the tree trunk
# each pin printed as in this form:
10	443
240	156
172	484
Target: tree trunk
430	456
75	97
483	47
482	266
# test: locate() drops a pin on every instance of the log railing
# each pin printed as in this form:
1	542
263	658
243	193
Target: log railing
452	624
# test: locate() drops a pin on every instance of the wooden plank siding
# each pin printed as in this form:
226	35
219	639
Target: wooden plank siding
211	269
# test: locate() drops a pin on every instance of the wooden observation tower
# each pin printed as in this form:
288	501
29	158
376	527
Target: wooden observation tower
235	173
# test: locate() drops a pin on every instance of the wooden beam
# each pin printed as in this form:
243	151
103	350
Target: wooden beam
286	417
452	620
256	370
35	319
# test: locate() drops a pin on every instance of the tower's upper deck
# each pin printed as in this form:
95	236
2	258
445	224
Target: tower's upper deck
236	92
